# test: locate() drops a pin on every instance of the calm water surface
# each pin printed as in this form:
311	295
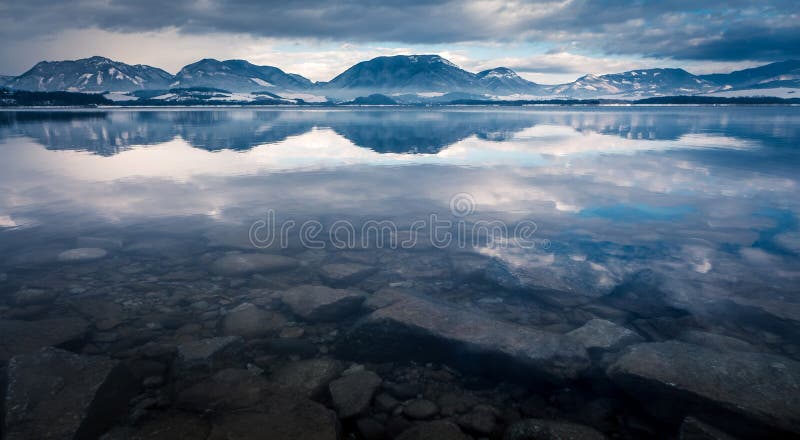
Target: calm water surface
679	224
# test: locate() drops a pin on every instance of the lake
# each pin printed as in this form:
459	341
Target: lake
627	271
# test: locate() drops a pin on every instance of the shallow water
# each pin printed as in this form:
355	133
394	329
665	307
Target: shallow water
676	223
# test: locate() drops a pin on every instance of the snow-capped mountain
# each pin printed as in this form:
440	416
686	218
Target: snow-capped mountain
95	74
237	76
780	74
635	83
404	73
502	80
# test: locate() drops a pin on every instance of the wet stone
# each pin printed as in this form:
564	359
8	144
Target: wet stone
693	429
280	417
20	337
81	254
352	394
243	264
482	420
602	335
440	430
251	321
416	328
759	391
420	409
228	389
345	274
208	354
385	403
540	429
320	303
55	394
370	429
307	377
174	425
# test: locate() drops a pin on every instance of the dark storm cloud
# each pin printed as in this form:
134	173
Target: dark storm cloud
708	30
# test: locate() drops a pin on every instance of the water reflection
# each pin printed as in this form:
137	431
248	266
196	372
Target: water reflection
662	218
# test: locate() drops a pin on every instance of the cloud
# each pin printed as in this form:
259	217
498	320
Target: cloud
610	36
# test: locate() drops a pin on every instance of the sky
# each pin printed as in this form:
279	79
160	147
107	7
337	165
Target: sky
544	41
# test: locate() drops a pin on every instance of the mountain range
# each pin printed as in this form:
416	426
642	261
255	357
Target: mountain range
402	78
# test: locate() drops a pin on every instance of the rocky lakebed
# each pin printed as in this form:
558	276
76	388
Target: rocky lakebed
163	338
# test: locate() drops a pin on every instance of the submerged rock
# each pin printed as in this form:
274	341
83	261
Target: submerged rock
228	389
55	394
417	328
173	425
352	393
747	389
30	297
281	417
345	274
307	378
693	429
250	321
439	430
20	337
420	409
320	303
82	254
208	354
243	264
602	335
540	429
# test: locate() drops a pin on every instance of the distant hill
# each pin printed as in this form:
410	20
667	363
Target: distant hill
237	76
95	74
405	79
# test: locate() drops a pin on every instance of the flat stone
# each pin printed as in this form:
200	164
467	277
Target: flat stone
675	377
716	341
345	274
243	264
413	327
308	378
56	394
482	420
540	429
228	389
352	394
208	354
174	425
82	254
250	321
693	429
320	303
279	418
20	337
439	430
602	335
30	297
420	409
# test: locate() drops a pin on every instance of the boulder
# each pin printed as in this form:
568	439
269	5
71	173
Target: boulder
228	389
81	254
281	417
307	378
482	420
758	391
439	430
601	335
352	393
540	429
56	394
250	321
20	337
345	274
320	303
417	328
244	264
